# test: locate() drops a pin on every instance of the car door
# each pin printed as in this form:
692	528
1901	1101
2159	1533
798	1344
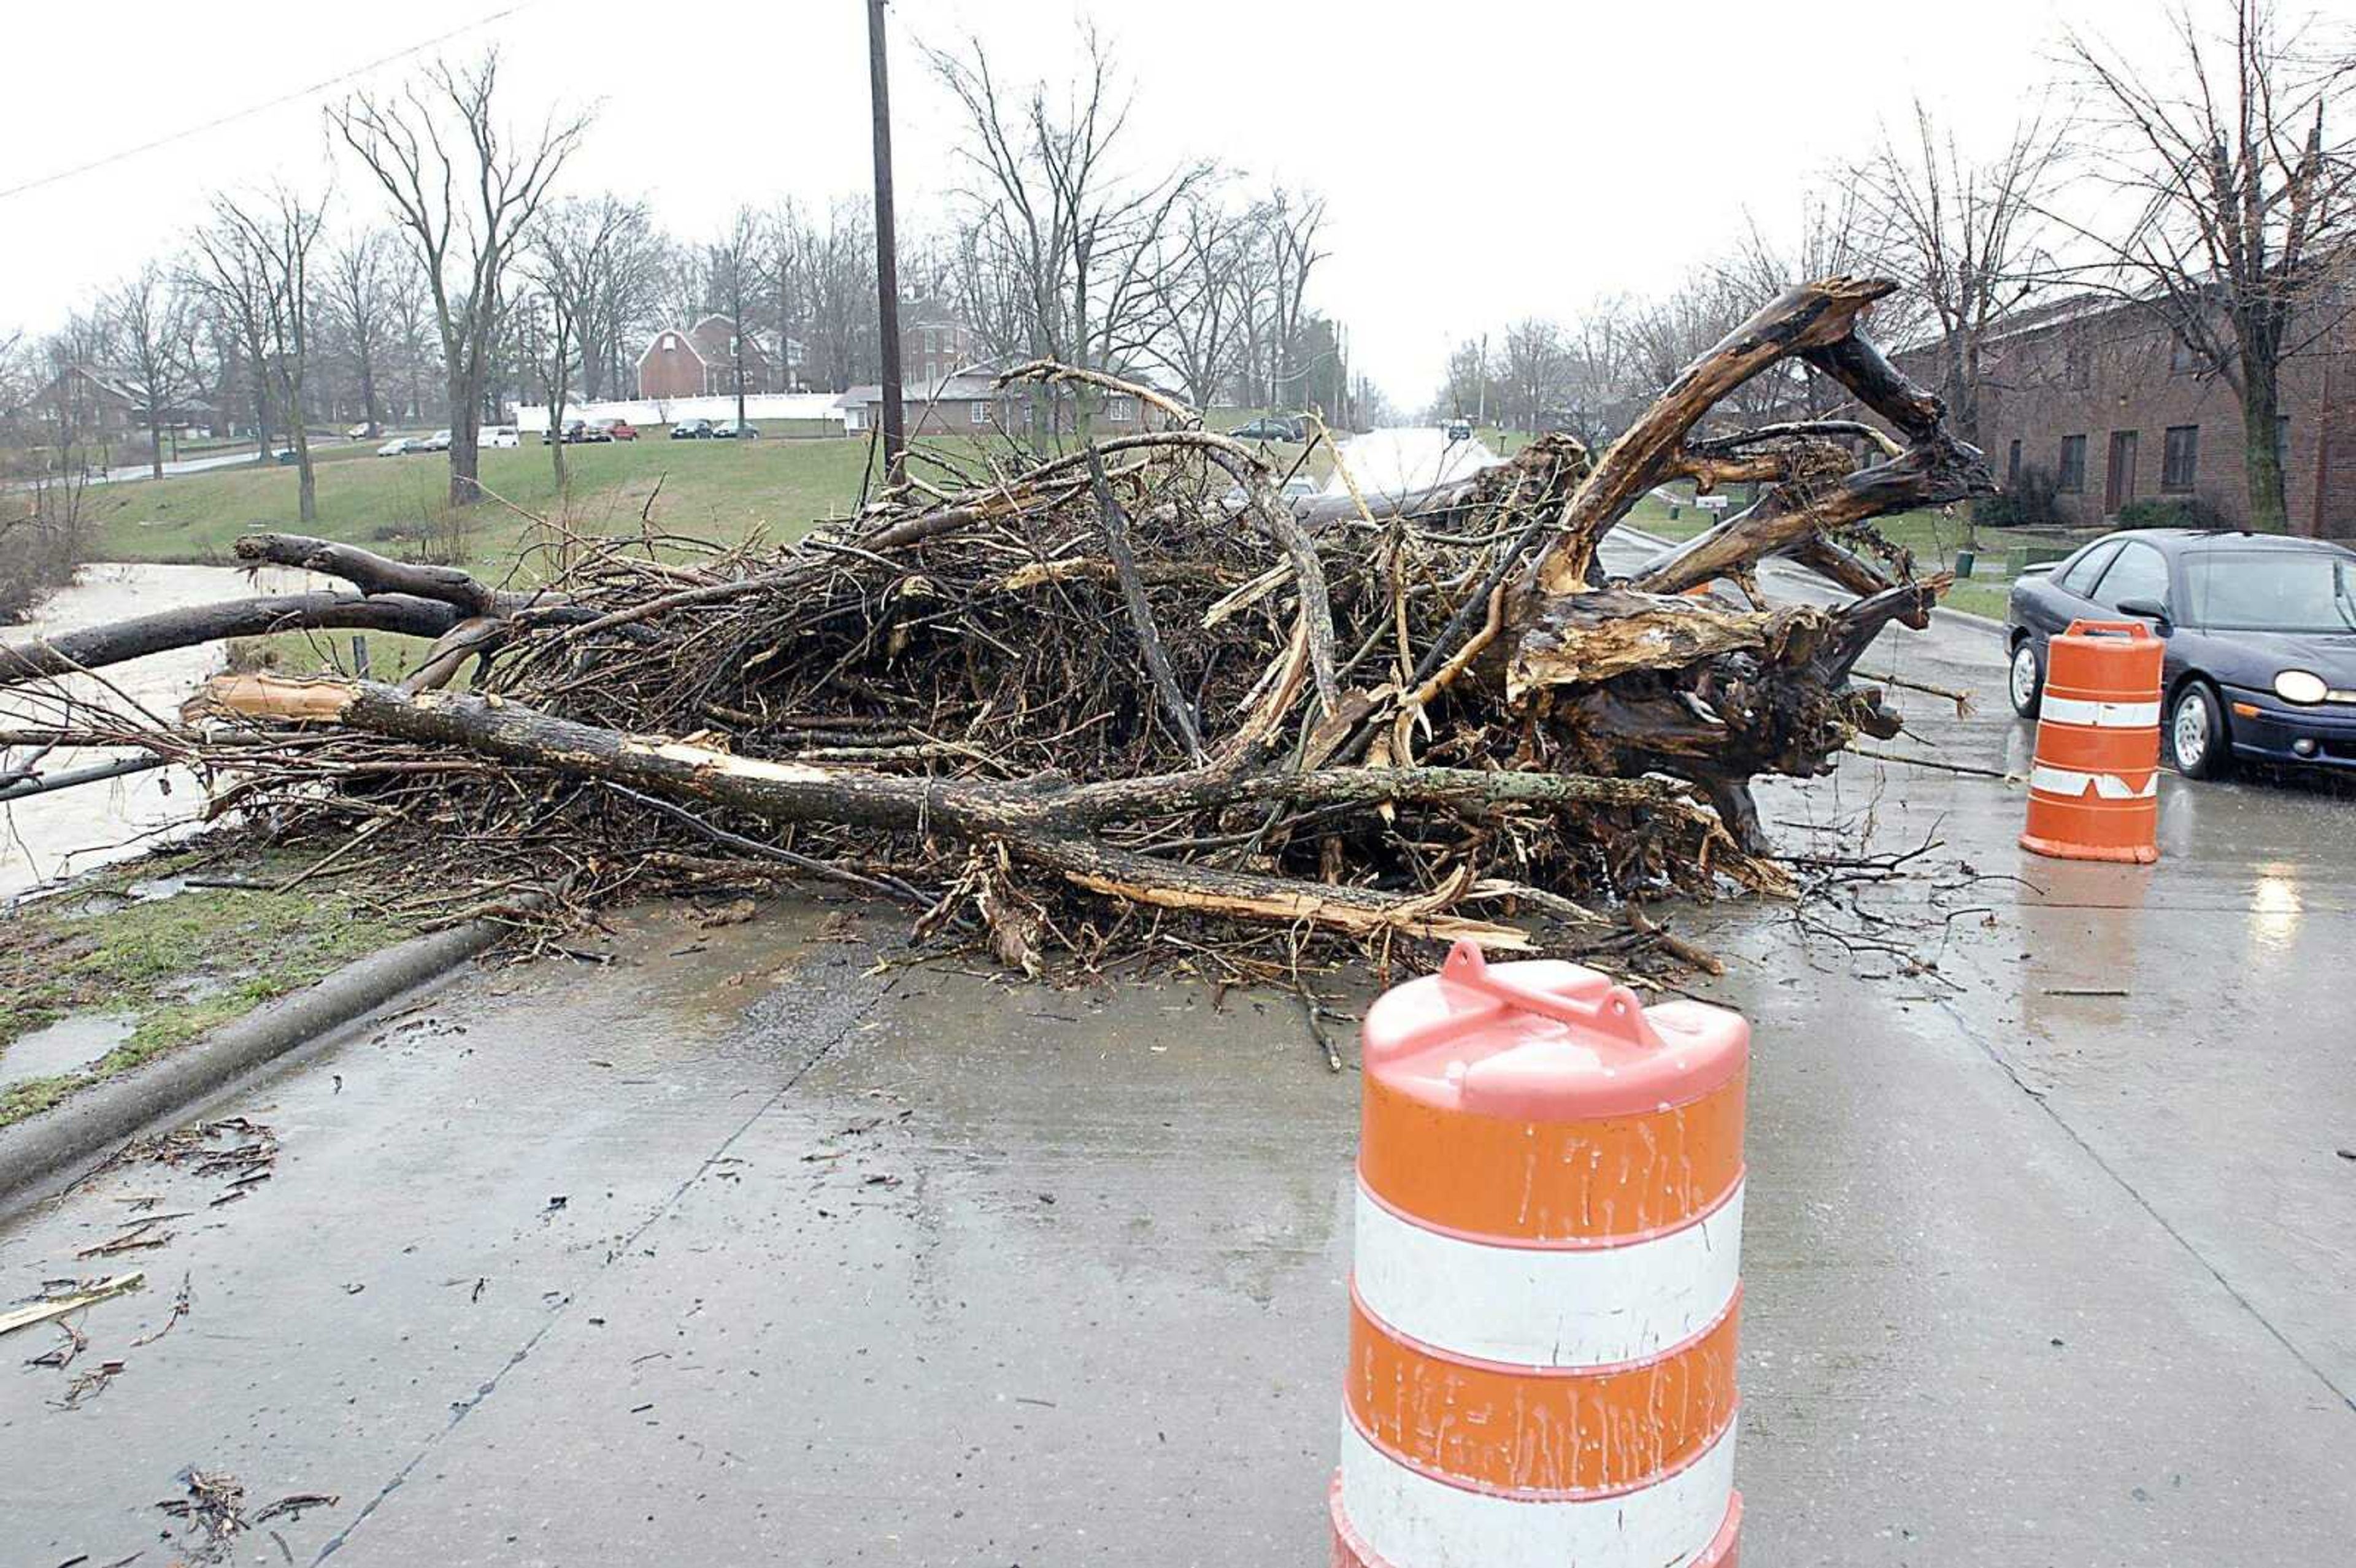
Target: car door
2139	572
2070	592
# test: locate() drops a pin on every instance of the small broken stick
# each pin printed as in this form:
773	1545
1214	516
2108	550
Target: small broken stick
59	1306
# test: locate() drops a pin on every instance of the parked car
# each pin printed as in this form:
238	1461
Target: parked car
733	430
360	433
1297	493
1273	427
287	458
2261	631
401	446
692	430
438	442
500	435
614	430
576	432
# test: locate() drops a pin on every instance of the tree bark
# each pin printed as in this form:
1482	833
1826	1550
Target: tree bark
95	648
2260	407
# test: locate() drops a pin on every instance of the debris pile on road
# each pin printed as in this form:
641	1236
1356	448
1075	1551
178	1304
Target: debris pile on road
1126	692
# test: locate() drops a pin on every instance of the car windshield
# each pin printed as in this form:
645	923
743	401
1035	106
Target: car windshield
2255	591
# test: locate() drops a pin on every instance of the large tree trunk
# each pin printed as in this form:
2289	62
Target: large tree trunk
466	426
2261	342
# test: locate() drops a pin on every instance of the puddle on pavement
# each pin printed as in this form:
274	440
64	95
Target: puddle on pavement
66	1046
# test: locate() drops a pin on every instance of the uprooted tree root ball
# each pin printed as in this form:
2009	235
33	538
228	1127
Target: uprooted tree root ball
1125	699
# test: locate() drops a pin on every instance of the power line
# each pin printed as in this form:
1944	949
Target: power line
280	101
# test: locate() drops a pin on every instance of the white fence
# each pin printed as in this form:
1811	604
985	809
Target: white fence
650	412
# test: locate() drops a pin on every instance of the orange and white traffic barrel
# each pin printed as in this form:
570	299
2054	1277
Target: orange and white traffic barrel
1547	1277
2094	785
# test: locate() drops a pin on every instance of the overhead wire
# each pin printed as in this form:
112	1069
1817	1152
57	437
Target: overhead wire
280	101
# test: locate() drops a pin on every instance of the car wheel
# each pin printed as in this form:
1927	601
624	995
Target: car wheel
2026	683
2197	742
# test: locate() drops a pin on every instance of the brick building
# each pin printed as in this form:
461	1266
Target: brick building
934	343
2101	396
700	362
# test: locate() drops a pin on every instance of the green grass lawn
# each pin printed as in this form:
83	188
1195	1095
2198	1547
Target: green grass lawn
712	489
168	969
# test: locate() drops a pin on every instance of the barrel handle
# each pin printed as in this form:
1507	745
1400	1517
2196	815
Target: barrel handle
2134	631
1616	1013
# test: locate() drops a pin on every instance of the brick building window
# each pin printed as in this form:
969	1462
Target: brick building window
980	414
2073	476
2012	465
1120	411
2181	359
2180	458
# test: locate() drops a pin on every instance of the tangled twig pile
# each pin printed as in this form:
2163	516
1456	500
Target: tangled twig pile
1065	702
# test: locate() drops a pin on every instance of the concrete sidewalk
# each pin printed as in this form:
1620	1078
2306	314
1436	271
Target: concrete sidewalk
743	1248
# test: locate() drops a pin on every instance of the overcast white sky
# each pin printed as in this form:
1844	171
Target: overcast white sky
1482	162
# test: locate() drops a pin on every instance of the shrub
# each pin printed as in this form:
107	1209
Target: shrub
248	654
43	537
2174	512
2030	501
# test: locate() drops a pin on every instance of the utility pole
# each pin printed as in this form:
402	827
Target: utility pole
887	266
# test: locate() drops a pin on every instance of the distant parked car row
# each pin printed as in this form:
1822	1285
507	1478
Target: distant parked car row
580	432
489	437
576	432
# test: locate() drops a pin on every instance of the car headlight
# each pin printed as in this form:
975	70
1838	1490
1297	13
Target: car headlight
2300	686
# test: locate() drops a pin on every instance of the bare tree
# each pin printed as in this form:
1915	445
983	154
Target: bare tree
734	283
155	324
465	194
363	275
845	342
1288	223
625	303
1964	234
1536	368
1598	390
1200	298
1053	208
565	259
2244	192
415	341
257	258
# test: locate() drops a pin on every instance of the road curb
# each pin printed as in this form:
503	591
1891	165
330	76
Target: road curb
37	1153
1984	623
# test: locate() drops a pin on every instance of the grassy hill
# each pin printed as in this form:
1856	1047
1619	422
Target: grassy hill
719	490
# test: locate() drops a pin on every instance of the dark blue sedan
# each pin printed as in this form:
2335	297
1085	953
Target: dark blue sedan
2260	638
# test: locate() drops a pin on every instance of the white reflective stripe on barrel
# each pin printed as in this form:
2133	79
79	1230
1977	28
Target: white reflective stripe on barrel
1549	1306
2100	715
2107	786
1406	1518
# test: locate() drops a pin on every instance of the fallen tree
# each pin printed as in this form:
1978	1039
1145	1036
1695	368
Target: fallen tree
1063	699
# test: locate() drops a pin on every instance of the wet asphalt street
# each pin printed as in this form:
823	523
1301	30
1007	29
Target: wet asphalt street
741	1247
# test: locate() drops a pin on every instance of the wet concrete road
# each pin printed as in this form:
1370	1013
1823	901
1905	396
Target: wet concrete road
2051	1259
